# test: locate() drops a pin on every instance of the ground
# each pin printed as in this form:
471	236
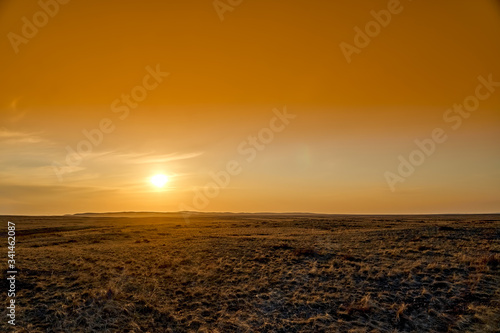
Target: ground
255	273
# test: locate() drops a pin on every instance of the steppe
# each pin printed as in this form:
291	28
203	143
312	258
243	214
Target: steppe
224	272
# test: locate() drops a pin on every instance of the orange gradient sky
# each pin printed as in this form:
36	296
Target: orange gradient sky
352	120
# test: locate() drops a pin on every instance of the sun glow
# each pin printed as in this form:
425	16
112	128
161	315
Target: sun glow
159	180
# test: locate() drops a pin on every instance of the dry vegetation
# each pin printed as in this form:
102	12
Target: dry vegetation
257	273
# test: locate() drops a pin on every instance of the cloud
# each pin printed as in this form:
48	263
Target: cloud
146	158
166	158
13	137
39	195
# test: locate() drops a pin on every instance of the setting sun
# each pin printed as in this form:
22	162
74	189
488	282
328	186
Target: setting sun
159	180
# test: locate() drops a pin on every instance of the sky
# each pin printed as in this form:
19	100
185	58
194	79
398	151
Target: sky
348	107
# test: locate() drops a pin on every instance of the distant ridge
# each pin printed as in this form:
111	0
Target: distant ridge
183	213
303	214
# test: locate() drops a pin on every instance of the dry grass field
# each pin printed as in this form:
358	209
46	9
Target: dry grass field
256	273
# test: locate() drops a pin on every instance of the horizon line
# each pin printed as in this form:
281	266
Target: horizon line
254	213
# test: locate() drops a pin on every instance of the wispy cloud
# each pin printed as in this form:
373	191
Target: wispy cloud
165	158
9	136
147	157
34	190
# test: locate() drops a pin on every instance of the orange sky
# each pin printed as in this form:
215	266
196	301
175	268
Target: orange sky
353	119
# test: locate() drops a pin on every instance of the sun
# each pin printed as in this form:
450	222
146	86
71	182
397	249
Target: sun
159	180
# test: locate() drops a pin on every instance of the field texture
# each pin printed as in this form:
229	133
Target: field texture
255	273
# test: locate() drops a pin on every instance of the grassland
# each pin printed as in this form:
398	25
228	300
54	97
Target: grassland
256	273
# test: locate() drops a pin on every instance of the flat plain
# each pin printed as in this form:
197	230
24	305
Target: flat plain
148	272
